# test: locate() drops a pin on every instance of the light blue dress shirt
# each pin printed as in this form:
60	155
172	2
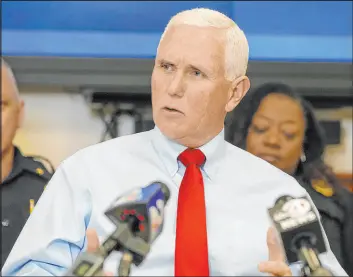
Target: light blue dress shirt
239	188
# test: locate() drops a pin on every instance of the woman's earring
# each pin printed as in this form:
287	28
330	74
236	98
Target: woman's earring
303	158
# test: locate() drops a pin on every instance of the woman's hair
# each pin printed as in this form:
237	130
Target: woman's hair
318	170
238	123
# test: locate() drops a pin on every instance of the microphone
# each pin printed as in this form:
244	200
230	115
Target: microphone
302	239
138	216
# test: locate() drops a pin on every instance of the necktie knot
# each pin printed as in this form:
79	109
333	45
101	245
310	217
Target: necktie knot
192	156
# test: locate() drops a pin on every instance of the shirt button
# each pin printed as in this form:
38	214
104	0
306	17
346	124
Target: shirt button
5	223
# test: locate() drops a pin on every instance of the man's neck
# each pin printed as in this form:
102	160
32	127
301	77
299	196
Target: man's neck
198	142
7	159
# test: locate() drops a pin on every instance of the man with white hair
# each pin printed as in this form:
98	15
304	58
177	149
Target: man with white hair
216	219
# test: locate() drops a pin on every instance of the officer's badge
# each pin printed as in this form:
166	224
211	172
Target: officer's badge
322	187
31	205
39	171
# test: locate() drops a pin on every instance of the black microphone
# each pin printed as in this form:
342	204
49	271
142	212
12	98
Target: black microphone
139	217
302	239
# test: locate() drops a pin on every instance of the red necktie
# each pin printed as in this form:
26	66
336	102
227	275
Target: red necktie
191	250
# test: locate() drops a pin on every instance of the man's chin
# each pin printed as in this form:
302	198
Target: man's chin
180	135
172	131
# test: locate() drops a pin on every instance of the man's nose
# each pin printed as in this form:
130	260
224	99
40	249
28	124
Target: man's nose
177	86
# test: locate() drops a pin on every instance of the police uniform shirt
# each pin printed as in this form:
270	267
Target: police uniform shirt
19	193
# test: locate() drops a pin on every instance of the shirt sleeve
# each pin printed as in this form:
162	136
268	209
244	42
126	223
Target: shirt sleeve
55	232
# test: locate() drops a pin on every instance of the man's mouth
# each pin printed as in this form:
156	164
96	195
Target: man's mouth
171	110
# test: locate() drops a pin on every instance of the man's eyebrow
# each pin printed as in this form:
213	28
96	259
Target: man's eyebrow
209	71
162	60
199	68
192	66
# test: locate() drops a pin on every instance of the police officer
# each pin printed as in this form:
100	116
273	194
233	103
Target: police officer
23	179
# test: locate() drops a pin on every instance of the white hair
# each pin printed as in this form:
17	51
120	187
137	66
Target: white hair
236	44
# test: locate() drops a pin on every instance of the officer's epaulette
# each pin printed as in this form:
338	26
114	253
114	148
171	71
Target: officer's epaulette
322	187
36	166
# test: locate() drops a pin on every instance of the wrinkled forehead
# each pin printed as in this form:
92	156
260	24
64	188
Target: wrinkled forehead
185	43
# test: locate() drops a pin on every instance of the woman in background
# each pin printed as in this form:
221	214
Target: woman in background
275	124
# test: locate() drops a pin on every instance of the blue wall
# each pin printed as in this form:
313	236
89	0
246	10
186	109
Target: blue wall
291	31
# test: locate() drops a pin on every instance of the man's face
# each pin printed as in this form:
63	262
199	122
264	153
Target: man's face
277	130
11	109
189	89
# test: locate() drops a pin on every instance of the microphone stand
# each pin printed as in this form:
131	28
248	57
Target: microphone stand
312	265
125	264
122	239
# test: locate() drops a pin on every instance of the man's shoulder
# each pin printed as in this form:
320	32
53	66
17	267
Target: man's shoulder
29	174
117	147
125	142
250	162
39	166
257	172
35	165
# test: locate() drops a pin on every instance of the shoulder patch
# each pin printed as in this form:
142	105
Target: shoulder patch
322	187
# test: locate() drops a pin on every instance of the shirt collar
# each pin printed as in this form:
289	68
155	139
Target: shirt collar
169	150
22	163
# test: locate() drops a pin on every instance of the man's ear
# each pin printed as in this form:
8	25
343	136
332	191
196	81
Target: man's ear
21	113
237	91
